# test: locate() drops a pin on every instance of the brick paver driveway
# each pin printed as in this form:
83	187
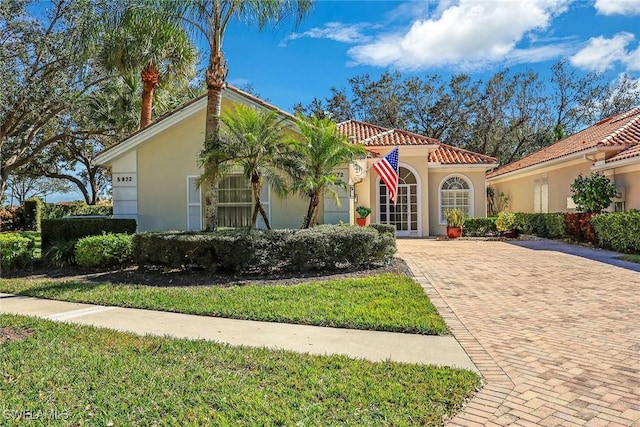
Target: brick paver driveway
556	336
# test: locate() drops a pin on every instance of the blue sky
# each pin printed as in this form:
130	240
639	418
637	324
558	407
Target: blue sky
341	39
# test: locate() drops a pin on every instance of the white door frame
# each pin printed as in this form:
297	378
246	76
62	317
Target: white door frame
418	203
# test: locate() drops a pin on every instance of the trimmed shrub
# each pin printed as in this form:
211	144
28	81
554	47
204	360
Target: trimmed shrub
383	228
548	225
60	210
106	250
32	214
479	227
619	231
11	219
578	226
324	247
15	251
74	229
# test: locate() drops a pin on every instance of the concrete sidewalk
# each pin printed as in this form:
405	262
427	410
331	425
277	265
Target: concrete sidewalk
370	345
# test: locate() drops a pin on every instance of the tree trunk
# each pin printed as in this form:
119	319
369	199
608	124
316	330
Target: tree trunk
257	208
312	216
216	80
149	77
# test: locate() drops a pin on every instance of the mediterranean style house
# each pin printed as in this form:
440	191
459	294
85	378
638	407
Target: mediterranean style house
541	181
155	172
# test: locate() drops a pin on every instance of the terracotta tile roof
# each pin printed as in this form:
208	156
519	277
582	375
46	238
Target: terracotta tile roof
620	130
372	135
633	151
376	136
446	154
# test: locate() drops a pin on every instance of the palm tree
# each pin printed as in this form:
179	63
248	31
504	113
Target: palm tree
149	41
322	150
210	18
255	140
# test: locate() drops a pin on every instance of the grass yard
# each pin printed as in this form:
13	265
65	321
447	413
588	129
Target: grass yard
88	376
385	302
630	257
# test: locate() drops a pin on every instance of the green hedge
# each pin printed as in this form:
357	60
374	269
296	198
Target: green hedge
106	250
479	227
549	225
325	247
60	210
32	214
15	251
74	229
618	231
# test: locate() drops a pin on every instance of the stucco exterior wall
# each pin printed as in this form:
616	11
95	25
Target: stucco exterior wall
436	177
163	166
520	189
629	178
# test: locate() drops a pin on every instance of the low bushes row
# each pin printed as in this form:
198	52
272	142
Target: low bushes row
619	231
325	247
544	225
105	250
15	251
73	229
480	226
541	224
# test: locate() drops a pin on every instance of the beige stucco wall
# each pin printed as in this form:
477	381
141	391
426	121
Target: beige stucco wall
437	176
164	163
366	191
629	178
520	189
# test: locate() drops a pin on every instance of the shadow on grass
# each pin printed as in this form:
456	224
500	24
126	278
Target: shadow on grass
193	277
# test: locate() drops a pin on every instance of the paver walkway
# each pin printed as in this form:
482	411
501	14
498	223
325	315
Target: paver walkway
555	335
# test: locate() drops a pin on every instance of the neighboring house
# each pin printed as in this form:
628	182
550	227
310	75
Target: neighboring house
155	172
541	181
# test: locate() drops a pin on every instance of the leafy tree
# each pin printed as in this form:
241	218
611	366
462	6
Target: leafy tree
593	193
23	186
254	139
46	71
148	41
210	19
322	149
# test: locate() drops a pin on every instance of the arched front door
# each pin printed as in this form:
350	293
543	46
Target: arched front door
405	215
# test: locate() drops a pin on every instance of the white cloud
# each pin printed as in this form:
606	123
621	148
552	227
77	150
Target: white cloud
468	33
618	7
602	53
345	33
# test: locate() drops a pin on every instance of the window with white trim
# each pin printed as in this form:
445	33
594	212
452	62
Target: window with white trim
455	193
235	201
194	204
541	195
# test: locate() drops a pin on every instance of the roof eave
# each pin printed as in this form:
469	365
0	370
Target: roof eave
601	166
548	163
485	166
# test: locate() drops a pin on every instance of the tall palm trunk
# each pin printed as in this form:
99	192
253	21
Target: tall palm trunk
312	211
215	77
149	76
257	207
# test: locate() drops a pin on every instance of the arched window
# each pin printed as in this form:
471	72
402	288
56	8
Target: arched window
455	193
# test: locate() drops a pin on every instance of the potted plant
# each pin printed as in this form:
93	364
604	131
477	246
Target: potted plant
506	224
455	221
363	213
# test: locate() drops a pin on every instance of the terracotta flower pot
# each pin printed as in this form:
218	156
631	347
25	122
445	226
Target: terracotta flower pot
454	232
361	221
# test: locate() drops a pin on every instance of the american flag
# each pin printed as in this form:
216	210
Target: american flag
387	169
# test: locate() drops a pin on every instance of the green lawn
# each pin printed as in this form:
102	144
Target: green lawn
630	257
91	376
384	302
